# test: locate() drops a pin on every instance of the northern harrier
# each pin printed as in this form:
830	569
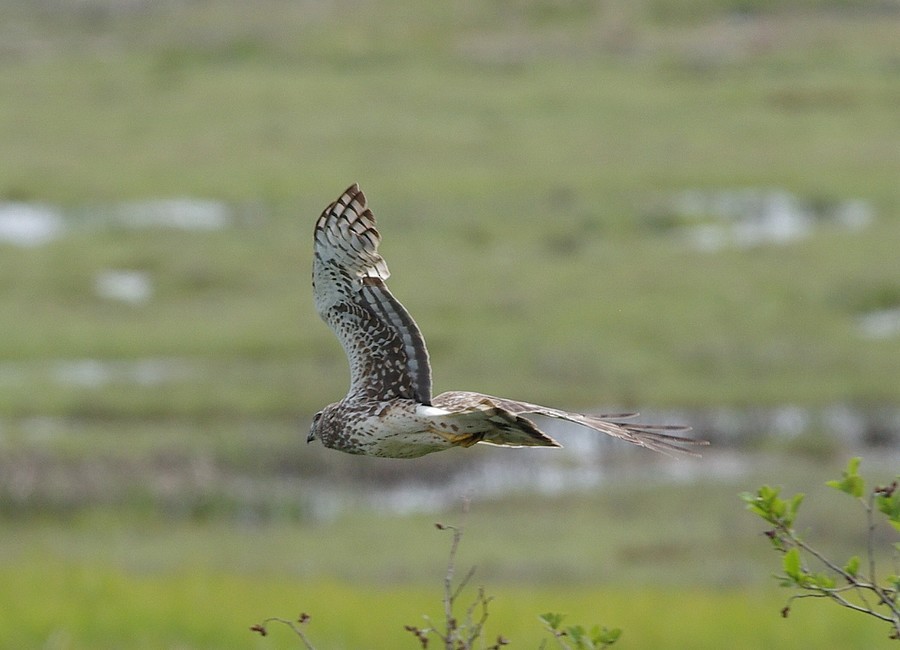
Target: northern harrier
389	410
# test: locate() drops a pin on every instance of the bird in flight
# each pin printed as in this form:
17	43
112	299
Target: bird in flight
389	410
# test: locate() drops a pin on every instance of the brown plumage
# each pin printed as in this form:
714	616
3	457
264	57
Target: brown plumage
389	410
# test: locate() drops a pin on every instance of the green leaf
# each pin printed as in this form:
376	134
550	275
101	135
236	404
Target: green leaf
851	483
579	636
608	637
852	566
894	581
575	632
822	580
767	504
552	620
792	565
793	508
889	504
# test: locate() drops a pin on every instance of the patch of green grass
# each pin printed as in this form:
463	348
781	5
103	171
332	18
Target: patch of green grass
60	603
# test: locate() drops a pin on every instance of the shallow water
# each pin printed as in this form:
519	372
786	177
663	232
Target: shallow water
35	224
745	218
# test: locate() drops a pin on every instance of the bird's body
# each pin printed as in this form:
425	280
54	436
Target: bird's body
405	428
389	410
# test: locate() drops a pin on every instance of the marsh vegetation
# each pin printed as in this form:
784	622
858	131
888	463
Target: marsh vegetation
559	186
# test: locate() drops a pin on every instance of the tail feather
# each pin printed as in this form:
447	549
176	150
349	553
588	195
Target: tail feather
651	436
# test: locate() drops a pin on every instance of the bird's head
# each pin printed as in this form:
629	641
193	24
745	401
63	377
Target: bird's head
314	428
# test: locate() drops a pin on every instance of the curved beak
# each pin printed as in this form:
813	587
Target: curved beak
310	437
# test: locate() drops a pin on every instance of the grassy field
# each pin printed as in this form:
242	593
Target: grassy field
517	161
526	162
119	609
676	564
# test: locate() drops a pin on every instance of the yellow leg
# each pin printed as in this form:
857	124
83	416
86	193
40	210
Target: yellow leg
458	439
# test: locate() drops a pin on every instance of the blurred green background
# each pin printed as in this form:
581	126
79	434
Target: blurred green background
686	208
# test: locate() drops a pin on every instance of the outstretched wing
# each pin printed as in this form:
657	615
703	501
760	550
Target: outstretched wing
384	346
651	436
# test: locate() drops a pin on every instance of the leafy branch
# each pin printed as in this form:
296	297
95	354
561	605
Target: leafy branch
576	637
850	584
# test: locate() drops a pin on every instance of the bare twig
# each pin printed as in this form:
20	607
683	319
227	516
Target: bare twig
459	634
295	626
451	637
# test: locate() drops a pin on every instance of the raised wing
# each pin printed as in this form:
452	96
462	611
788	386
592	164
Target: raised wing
384	346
